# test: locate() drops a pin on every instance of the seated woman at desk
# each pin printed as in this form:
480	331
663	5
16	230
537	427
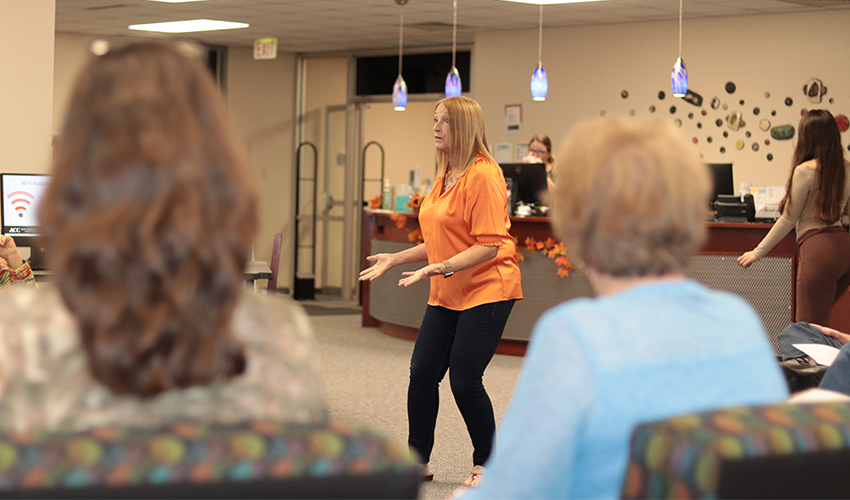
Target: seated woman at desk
13	269
148	223
540	151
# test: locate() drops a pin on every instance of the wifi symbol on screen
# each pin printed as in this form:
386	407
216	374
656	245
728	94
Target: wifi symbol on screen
20	201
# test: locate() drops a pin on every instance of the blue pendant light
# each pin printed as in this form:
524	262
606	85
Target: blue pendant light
400	86
679	78
539	82
453	85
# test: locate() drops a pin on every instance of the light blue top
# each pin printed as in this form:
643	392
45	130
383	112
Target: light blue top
596	367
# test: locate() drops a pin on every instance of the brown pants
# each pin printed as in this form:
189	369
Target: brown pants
823	273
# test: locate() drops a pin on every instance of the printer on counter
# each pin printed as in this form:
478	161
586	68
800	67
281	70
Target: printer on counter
731	208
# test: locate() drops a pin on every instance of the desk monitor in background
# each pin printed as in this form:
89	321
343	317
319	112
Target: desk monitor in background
721	175
21	195
528	181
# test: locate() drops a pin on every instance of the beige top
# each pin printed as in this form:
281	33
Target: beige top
46	385
801	210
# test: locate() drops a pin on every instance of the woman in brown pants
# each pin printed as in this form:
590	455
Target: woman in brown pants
816	196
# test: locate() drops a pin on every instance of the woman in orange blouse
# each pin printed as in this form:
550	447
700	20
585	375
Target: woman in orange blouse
474	276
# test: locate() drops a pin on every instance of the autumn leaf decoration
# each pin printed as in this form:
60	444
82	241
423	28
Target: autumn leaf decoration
413	235
555	250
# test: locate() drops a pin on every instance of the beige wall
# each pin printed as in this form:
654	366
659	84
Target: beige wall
26	84
260	101
71	53
589	66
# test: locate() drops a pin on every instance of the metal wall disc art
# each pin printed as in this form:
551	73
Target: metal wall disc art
782	132
730	87
715	102
789	101
734	120
764	124
739	144
843	122
814	90
756	111
677	122
672	109
661	94
755	146
767	95
693	98
769	156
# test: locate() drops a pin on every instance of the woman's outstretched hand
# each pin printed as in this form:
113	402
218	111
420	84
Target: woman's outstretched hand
411	277
747	259
383	263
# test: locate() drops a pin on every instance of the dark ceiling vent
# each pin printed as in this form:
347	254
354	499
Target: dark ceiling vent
434	26
107	7
819	3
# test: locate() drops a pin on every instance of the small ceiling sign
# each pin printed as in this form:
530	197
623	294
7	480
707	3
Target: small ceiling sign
265	48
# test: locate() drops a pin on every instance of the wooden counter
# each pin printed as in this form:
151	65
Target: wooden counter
768	285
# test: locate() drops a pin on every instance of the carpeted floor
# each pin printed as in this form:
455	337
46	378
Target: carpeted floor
365	375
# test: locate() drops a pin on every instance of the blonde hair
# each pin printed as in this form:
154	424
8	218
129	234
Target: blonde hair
466	121
634	197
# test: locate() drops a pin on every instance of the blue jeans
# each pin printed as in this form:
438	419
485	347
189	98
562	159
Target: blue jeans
465	342
837	376
802	333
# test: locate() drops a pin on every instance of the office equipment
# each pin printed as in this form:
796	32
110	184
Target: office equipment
21	195
732	208
528	182
721	175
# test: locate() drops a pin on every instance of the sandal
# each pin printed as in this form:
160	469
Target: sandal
475	477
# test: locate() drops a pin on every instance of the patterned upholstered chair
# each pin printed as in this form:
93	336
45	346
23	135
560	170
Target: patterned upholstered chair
259	459
773	451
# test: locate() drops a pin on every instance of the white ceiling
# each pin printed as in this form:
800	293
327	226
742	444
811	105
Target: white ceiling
358	26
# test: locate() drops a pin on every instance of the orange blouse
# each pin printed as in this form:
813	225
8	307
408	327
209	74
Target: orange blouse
473	211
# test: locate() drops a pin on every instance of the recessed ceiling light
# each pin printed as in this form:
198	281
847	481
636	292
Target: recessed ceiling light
552	2
176	1
189	26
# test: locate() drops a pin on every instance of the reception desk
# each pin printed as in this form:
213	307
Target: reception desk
768	285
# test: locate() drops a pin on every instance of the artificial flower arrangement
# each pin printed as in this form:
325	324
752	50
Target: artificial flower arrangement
413	235
415	202
375	203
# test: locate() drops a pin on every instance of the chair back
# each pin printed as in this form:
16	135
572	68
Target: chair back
772	451
275	264
254	459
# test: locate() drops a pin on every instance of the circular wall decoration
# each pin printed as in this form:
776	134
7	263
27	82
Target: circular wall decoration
704	112
843	122
715	102
803	112
722	149
730	87
725	134
764	124
741	102
755	146
773	113
756	111
672	109
631	112
652	109
767	142
725	106
832	100
767	95
691	116
769	156
748	134
696	141
699	125
739	144
708	139
718	122
661	94
602	113
789	101
677	122
624	94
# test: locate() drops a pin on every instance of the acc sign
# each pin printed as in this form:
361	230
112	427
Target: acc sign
265	48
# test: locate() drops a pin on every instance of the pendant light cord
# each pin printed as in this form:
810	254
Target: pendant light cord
540	40
680	28
400	39
454	34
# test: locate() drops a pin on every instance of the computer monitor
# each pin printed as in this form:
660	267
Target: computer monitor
528	182
21	195
721	175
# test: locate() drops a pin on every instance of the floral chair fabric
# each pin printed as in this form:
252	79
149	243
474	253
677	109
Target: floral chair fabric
106	458
683	457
